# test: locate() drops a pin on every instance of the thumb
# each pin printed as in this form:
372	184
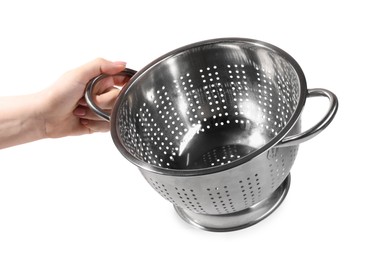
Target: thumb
99	66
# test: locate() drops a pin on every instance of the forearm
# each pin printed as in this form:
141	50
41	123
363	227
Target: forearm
59	110
19	120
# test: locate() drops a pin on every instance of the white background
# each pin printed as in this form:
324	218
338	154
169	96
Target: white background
78	198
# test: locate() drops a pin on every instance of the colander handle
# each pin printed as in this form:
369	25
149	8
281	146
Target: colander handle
321	125
91	85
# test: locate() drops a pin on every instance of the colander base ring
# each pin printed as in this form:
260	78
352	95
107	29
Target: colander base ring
240	219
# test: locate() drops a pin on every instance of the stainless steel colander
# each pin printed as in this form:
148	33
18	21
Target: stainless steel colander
214	128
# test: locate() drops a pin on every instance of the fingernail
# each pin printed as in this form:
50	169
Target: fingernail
80	111
82	102
120	63
84	121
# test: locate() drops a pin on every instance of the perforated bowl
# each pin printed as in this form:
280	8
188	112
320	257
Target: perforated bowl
214	128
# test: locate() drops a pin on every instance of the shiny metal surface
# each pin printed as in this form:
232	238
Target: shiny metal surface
214	126
227	191
240	219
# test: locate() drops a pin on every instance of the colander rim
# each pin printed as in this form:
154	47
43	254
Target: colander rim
219	168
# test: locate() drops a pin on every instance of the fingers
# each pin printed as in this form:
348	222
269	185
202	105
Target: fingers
107	84
104	94
84	112
97	67
105	101
94	126
89	119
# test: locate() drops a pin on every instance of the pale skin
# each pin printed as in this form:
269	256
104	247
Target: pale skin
59	110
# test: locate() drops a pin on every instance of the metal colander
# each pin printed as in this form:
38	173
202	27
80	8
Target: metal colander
213	127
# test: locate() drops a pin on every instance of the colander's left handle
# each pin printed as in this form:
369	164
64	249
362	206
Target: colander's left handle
90	87
322	124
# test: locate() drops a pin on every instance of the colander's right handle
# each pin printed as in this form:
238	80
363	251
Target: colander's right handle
321	125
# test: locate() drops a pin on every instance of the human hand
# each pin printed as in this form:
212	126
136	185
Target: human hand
64	109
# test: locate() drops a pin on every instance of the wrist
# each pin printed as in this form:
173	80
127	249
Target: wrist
20	120
37	116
